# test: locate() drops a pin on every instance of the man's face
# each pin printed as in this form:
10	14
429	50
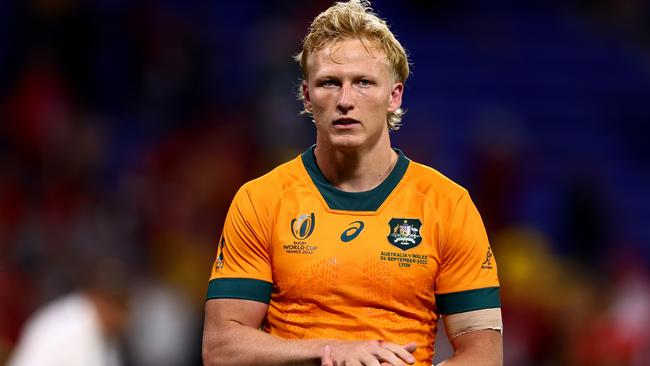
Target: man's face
350	90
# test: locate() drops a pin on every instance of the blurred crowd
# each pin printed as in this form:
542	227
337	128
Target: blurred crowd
127	126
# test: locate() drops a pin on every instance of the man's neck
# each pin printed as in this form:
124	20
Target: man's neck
356	170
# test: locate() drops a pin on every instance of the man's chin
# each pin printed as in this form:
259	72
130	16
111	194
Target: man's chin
347	142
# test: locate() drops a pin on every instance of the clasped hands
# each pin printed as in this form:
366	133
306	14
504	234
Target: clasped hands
368	353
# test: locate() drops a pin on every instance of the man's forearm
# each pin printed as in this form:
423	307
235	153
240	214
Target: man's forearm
468	359
237	344
479	348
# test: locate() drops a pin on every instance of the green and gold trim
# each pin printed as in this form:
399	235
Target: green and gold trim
463	301
337	199
240	288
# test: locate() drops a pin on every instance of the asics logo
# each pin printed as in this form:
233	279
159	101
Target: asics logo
352	232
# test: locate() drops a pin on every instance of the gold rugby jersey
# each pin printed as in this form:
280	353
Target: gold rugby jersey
381	264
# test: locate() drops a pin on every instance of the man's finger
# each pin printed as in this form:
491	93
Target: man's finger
402	352
355	362
387	356
326	358
411	347
366	360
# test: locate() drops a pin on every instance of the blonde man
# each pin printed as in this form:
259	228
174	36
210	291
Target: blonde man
350	253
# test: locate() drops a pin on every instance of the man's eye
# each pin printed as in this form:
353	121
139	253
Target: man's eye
364	83
328	83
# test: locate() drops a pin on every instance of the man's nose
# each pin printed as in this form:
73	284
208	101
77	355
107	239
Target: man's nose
344	102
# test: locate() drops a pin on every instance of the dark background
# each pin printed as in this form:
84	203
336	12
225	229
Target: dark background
127	126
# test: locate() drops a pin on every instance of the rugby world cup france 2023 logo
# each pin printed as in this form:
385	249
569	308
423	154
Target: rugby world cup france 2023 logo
303	225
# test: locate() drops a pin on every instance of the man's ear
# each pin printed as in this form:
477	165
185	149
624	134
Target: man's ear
306	101
395	100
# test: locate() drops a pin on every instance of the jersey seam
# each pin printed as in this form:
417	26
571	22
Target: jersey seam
239	277
433	209
469	289
278	199
257	216
451	222
277	210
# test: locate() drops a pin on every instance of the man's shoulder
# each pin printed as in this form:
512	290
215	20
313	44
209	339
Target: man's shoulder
430	181
285	176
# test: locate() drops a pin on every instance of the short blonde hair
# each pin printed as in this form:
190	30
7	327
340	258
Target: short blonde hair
349	20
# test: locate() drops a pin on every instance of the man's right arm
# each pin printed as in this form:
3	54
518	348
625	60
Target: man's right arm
231	336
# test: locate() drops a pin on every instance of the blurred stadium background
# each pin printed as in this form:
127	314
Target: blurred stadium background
127	126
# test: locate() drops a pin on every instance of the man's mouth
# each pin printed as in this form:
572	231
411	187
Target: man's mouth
345	122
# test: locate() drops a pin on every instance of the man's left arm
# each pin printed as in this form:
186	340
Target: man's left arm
467	293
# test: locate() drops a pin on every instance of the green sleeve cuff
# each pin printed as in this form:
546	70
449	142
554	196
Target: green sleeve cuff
240	288
463	301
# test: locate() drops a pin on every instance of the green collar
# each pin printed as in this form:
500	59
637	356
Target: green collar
354	201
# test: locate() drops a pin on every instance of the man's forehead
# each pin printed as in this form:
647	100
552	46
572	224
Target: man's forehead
348	48
371	47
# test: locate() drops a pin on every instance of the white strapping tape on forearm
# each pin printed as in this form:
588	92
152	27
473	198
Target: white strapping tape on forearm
457	324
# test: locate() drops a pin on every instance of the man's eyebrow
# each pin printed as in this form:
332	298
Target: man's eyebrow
327	77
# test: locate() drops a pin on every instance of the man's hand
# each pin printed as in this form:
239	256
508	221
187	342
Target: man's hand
368	353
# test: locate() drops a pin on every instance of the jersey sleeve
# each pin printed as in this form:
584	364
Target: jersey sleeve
467	279
242	268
